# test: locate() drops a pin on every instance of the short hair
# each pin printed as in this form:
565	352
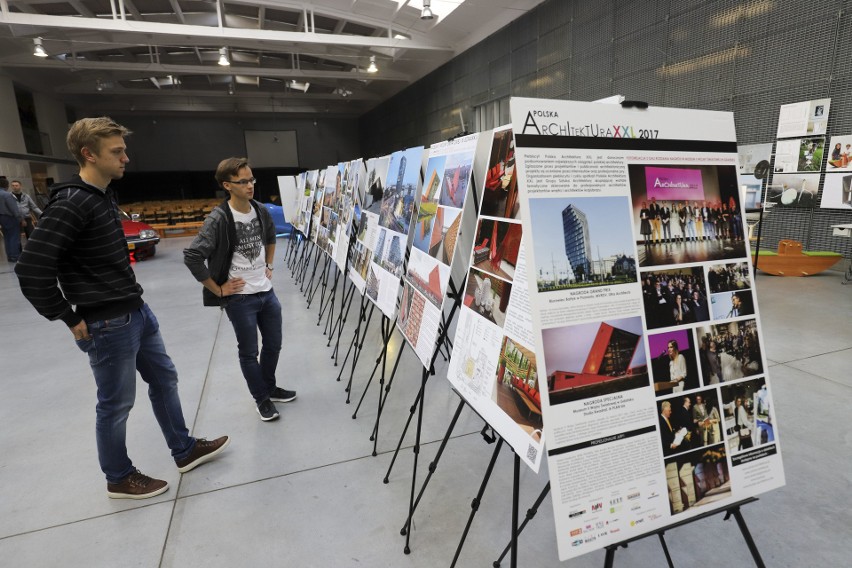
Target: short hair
4	183
16	181
229	167
666	404
88	133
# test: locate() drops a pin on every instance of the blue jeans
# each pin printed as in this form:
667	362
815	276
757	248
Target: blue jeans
248	314
117	349
11	236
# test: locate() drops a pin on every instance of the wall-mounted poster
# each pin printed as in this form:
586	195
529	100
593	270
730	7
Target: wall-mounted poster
837	192
436	231
750	155
750	158
839	154
793	190
799	154
399	200
493	363
634	369
806	118
368	223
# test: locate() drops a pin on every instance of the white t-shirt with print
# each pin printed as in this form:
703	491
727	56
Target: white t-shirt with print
249	260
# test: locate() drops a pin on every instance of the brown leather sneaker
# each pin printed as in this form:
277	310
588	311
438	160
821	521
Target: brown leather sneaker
203	451
137	485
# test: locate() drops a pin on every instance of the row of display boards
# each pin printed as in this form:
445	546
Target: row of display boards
607	313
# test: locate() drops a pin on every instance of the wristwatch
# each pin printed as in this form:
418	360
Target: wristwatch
269	266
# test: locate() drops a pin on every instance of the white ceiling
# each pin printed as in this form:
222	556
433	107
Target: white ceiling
162	55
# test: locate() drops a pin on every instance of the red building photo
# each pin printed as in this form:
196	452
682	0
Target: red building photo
590	360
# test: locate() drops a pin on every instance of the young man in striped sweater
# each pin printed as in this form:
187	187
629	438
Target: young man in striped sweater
79	244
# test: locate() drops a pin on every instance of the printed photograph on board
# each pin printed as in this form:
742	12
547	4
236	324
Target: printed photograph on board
457	172
748	415
390	251
674	362
593	359
401	190
689	421
377	170
727	305
793	190
495	247
729	277
799	155
428	276
582	242
839	154
487	296
837	192
500	196
685	213
517	391
677	296
698	479
729	351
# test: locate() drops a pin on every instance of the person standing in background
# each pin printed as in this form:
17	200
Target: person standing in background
10	221
27	207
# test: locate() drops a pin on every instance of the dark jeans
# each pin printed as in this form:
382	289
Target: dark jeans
11	236
117	349
248	314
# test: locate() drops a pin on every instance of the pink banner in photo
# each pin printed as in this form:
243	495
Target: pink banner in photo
674	184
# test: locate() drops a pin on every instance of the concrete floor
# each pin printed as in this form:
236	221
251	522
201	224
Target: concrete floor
305	491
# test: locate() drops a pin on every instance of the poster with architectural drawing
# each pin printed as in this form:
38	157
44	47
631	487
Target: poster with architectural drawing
656	401
436	231
399	199
493	363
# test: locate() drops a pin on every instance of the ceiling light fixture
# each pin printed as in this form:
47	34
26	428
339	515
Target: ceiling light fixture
98	85
427	14
39	51
372	68
223	56
230	88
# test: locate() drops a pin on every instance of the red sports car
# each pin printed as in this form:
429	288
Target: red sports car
141	238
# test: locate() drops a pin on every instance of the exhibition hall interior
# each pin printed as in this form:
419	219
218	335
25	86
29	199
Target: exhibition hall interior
561	282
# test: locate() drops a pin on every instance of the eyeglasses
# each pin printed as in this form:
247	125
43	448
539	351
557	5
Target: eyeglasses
252	181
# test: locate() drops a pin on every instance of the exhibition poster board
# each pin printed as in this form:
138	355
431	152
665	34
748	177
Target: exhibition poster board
436	230
316	212
493	364
658	406
350	198
306	183
399	200
368	222
328	218
805	118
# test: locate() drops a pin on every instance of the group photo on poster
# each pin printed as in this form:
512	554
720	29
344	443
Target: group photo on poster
729	351
674	297
685	213
689	421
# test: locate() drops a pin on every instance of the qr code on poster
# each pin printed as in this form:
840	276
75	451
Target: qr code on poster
532	453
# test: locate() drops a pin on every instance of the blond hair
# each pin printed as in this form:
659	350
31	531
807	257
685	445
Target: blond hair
88	133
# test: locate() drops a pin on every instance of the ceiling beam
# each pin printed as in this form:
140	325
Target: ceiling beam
272	37
154	68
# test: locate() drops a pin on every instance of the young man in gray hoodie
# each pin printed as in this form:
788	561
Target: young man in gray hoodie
232	256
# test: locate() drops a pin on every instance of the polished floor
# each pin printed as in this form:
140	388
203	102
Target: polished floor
306	491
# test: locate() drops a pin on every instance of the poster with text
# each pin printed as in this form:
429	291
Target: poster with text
399	199
436	231
367	224
307	183
316	213
643	313
493	363
806	118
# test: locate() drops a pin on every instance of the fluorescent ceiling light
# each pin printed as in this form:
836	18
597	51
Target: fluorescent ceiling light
294	84
38	51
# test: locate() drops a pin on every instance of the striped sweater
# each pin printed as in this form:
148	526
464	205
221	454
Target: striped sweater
79	245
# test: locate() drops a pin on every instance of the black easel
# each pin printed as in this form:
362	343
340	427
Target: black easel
730	510
381	360
531	512
358	344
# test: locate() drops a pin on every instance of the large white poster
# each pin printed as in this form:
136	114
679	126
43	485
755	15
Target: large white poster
493	363
658	406
399	203
436	231
306	184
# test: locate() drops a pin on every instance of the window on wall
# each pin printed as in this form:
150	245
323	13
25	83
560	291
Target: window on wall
491	114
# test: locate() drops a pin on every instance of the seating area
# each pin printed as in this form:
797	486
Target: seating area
791	260
173	218
529	396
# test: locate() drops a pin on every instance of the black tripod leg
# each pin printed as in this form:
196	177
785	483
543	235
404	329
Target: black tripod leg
752	547
662	537
404	430
434	464
513	562
531	512
474	505
423	379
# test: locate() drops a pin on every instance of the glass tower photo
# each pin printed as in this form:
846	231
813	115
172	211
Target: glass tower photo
575	230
